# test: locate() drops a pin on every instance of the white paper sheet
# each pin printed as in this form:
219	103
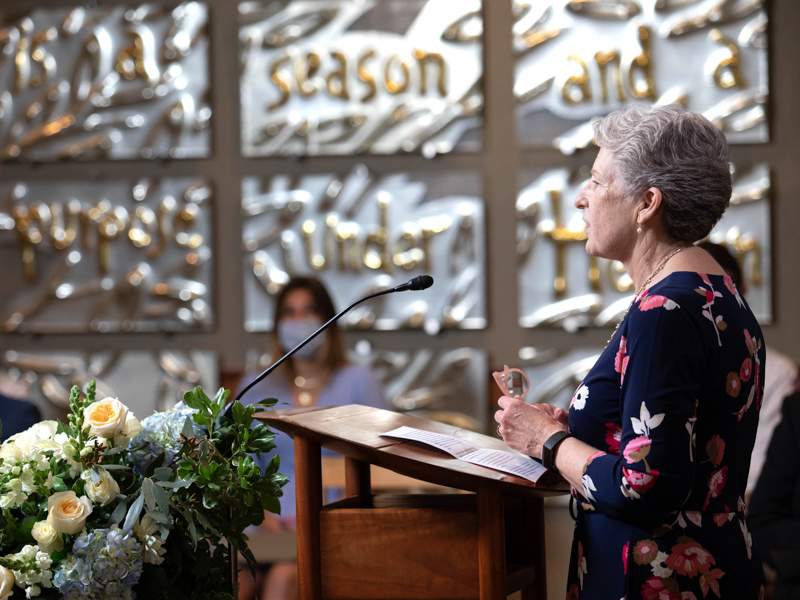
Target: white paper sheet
500	460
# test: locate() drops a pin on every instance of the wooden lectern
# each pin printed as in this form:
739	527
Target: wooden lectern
486	544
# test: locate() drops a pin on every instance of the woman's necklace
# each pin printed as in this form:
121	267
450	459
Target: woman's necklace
641	289
306	387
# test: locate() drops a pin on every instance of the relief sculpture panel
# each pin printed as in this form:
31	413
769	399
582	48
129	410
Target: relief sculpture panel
563	286
360	232
360	76
581	58
106	256
104	82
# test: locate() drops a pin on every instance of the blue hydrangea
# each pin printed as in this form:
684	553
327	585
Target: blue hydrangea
159	435
103	565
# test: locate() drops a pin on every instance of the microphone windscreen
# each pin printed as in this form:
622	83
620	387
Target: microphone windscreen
423	282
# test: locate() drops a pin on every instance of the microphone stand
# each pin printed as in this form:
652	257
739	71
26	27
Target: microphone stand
418	283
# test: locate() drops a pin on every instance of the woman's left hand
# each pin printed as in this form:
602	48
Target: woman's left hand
526	427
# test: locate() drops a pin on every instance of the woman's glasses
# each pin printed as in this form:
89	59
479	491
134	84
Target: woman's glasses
512	382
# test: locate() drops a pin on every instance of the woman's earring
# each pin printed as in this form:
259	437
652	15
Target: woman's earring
638	230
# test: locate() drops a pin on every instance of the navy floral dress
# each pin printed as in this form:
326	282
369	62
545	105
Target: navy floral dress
672	403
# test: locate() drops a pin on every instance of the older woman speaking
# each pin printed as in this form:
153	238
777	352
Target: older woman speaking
658	436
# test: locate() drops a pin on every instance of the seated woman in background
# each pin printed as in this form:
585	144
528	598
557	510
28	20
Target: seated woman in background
319	374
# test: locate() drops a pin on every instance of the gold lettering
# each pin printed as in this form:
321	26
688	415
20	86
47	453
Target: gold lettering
379	237
430	226
112	225
321	261
365	76
304	71
337	79
727	73
181	225
167	207
423	58
561	236
603	59
618	276
22	58
407	253
139	60
283	83
392	86
63	231
581	81
142	227
30	234
42	57
349	250
646	87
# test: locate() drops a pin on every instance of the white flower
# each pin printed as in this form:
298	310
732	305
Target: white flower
580	398
67	513
32	437
11	452
130	430
14	496
588	488
105	491
49	541
659	570
106	418
145	531
6	583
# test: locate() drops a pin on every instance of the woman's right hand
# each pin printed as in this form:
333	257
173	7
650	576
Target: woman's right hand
559	414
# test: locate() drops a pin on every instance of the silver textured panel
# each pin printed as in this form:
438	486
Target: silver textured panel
562	285
107	256
446	385
359	233
143	381
108	81
581	58
360	76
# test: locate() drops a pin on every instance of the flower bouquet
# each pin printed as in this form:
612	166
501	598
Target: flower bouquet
106	507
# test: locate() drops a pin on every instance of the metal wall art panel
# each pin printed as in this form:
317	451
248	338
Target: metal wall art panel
562	285
144	381
446	385
106	256
104	82
554	375
581	58
360	76
360	232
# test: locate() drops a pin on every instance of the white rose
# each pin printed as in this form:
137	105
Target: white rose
31	437
10	451
129	431
104	492
6	583
67	513
49	541
106	417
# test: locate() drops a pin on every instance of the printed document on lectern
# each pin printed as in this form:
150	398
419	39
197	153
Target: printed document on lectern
500	460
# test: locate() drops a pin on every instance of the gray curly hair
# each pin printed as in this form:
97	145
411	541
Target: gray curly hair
677	151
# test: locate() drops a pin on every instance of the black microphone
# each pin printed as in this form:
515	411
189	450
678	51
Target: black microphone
421	282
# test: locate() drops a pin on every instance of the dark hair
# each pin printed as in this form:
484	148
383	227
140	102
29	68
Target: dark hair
334	355
726	260
677	151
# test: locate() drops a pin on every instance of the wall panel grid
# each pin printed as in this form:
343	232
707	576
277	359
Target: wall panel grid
463	116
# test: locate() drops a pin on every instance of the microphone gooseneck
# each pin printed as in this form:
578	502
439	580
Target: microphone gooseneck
422	282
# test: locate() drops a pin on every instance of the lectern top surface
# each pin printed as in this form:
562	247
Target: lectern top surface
355	431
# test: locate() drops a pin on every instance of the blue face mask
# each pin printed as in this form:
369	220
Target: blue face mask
291	333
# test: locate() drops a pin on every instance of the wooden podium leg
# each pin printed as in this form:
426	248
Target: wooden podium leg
357	479
308	484
533	530
491	546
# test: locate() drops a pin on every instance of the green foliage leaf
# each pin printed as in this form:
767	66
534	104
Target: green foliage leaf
133	514
118	514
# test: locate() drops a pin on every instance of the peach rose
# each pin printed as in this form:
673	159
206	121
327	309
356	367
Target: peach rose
66	513
106	417
7	581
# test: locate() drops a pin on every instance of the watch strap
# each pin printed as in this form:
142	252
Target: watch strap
549	449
